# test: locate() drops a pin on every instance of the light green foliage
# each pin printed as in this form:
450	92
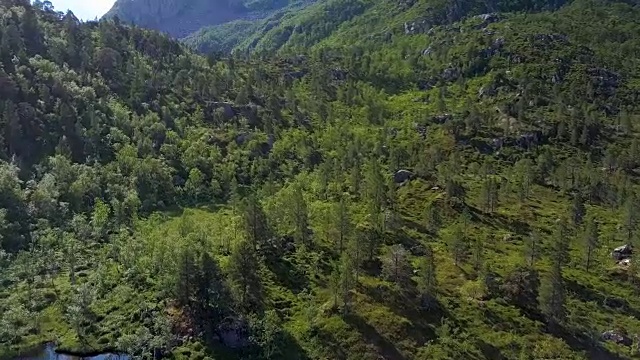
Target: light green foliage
150	194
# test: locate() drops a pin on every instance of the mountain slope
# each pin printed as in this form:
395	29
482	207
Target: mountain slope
180	18
304	28
349	187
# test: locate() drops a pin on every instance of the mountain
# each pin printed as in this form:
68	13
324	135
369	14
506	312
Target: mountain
180	18
345	19
428	179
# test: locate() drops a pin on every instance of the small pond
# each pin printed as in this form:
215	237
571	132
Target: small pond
48	352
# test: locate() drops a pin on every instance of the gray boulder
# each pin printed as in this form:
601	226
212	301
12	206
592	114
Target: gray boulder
617	338
486	19
450	74
622	252
401	176
442	118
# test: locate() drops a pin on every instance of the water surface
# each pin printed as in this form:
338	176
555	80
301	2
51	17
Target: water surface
48	352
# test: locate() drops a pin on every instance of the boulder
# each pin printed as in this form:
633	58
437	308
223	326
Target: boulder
402	175
616	337
427	84
547	39
293	75
605	82
421	129
529	139
229	111
622	252
242	138
450	74
487	19
442	118
498	43
339	74
487	91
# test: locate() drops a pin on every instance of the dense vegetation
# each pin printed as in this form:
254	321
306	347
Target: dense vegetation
181	18
377	184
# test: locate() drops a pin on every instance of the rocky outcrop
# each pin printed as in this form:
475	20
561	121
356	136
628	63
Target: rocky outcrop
605	82
180	18
617	338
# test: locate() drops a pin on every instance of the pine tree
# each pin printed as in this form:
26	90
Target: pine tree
396	266
577	210
532	248
256	227
244	277
343	223
211	294
478	255
391	213
355	251
185	281
375	188
561	244
348	266
591	239
552	296
334	282
427	283
490	194
300	216
523	176
630	217
433	219
458	245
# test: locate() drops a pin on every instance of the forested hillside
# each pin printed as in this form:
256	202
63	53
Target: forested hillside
180	18
400	180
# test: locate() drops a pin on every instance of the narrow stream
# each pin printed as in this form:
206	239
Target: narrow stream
48	352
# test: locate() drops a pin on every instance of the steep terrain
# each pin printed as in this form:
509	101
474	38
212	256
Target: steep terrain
361	180
179	18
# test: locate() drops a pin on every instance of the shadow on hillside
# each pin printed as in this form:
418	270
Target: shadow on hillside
613	303
412	224
405	304
330	344
415	246
291	349
496	220
371	335
581	342
288	275
490	351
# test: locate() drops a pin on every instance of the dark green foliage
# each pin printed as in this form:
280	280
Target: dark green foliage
427	283
553	297
520	287
577	210
301	217
433	218
532	249
458	244
591	236
256	227
247	204
245	279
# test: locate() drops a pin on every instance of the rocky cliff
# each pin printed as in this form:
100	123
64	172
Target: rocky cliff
180	18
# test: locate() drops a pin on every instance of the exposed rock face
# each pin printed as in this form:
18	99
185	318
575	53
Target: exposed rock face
180	18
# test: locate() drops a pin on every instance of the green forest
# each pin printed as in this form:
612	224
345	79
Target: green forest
355	179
